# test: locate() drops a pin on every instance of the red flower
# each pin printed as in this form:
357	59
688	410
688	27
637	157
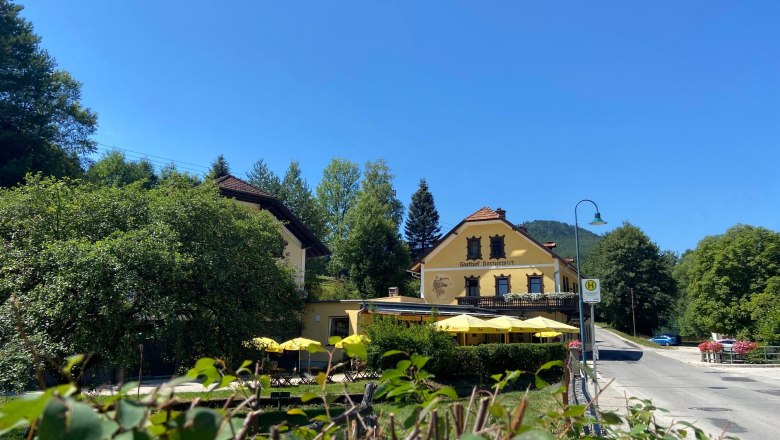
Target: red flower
742	347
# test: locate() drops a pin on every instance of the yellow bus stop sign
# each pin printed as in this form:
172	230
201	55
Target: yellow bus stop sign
591	290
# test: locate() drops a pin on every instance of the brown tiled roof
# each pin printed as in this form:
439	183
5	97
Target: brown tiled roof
233	187
236	184
483	214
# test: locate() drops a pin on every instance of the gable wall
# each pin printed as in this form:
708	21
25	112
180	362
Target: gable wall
293	251
445	271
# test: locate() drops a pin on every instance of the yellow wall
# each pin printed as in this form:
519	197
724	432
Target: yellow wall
293	251
316	323
445	270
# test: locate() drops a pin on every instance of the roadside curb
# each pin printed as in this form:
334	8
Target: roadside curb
668	352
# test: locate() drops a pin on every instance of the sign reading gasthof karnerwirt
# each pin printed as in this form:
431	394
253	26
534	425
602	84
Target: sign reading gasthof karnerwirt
591	290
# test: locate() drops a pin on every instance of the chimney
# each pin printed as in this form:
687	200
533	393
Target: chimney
392	291
501	213
550	245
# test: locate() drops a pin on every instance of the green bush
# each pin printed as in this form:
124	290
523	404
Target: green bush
488	359
388	333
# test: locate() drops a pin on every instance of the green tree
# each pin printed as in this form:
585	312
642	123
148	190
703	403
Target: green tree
766	312
422	225
170	172
625	260
264	178
296	194
727	272
43	126
103	269
337	193
219	168
114	170
378	180
373	254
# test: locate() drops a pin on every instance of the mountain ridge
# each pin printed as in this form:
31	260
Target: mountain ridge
563	235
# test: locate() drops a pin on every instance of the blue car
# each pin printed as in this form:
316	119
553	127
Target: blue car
664	340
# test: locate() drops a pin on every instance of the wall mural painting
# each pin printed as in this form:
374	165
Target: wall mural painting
440	284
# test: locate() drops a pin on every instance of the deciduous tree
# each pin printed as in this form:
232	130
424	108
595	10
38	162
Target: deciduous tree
373	254
726	274
103	269
378	180
113	169
625	260
337	193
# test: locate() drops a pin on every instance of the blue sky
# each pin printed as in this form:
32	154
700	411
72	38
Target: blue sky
666	114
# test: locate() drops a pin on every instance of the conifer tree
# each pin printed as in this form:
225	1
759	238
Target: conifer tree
296	194
261	176
219	168
422	225
43	125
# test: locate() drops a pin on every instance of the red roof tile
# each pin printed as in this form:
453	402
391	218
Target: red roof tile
236	184
483	214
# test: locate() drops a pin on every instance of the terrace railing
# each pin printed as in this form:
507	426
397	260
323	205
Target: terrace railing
501	303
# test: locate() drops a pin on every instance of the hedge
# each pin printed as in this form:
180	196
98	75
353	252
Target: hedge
488	359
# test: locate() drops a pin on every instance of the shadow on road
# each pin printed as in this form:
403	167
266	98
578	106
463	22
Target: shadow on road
619	355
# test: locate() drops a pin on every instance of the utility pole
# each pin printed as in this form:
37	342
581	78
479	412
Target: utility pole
633	312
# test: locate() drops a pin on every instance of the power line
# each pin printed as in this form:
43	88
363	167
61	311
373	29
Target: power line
187	166
159	163
151	155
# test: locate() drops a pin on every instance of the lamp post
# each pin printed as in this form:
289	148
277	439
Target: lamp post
596	221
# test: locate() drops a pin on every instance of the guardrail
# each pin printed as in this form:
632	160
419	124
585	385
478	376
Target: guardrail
769	354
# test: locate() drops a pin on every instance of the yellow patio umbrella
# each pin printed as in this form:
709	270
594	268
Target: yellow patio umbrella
298	344
547	334
267	345
353	339
553	325
469	324
515	325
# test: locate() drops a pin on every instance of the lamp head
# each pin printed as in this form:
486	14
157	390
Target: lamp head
597	220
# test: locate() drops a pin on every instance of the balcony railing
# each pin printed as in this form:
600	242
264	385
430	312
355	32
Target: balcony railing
501	303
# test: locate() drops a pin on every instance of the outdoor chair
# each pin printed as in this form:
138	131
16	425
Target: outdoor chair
306	379
357	371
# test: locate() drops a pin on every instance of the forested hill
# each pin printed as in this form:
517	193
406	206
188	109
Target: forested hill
563	235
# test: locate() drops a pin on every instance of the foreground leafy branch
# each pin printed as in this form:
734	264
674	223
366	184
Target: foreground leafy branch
438	413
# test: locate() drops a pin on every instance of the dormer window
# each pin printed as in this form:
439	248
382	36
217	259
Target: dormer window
474	248
497	247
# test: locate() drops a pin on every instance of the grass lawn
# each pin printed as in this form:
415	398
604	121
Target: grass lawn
639	340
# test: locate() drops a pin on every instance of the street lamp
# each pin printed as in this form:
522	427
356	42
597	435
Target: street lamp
596	222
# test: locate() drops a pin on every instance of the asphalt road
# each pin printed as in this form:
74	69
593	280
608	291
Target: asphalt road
743	401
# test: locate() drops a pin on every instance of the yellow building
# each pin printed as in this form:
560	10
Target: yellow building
488	262
301	242
484	266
